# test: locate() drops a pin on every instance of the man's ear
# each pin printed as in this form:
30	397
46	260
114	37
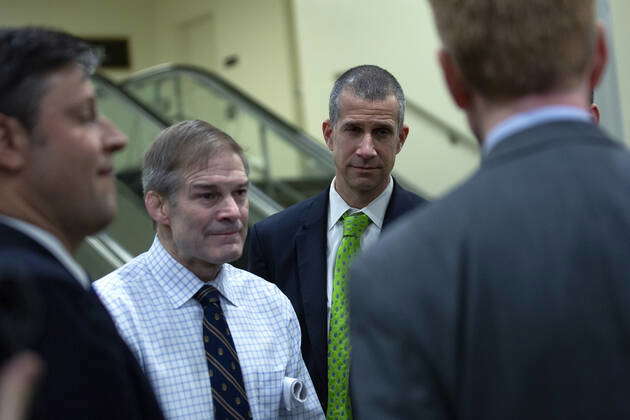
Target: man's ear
327	130
402	136
14	143
595	113
158	208
600	57
457	86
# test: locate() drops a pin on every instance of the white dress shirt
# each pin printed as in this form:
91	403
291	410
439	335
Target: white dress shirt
52	244
337	207
151	301
527	119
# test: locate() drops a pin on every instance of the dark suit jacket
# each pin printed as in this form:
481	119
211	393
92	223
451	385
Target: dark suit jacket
89	371
509	297
289	249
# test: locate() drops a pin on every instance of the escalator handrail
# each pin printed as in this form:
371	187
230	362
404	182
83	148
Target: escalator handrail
122	92
101	242
283	128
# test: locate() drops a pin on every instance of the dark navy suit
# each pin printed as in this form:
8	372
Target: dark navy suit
89	373
289	250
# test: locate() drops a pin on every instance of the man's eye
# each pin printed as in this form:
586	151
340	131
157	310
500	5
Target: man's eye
87	117
86	113
241	192
207	196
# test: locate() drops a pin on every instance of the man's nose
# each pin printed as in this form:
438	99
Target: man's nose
366	149
229	208
113	138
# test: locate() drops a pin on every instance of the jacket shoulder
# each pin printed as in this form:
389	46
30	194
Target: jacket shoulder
295	214
409	196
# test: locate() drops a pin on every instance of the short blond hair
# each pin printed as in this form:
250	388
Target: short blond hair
510	48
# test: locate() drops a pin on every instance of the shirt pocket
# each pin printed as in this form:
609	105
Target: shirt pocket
268	394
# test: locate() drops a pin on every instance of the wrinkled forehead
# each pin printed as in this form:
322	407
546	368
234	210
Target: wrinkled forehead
222	165
355	108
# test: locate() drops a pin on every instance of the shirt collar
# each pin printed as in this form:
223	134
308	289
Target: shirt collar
375	210
52	244
179	283
524	120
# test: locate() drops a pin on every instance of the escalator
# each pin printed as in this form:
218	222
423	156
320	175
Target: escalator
285	163
131	232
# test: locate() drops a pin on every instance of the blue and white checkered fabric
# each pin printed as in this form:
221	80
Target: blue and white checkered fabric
151	301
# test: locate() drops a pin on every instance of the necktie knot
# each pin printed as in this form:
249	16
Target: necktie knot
207	295
355	224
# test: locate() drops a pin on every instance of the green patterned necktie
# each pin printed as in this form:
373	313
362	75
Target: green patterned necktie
338	339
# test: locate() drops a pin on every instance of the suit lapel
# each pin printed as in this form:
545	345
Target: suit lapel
399	203
311	265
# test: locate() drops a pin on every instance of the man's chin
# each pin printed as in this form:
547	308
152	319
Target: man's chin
367	184
232	255
99	218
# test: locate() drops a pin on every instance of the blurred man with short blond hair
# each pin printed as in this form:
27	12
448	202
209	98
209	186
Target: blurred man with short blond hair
506	299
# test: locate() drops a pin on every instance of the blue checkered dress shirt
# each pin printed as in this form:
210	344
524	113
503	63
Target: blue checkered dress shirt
151	301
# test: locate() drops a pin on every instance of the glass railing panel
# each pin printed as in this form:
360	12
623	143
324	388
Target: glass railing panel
132	227
179	97
93	259
283	167
140	128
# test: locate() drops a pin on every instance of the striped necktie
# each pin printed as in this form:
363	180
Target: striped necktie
338	338
228	389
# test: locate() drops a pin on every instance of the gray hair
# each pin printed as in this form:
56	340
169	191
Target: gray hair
367	82
181	147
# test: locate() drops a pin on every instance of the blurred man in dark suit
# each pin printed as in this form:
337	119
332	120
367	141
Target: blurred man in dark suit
507	298
56	187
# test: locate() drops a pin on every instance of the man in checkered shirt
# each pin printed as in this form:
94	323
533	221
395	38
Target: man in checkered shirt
195	190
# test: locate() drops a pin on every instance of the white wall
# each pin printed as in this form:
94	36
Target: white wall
619	35
255	31
132	19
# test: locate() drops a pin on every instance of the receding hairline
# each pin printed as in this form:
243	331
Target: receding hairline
369	82
346	93
200	162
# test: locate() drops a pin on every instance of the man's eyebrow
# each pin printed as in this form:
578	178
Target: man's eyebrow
85	102
207	186
203	186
